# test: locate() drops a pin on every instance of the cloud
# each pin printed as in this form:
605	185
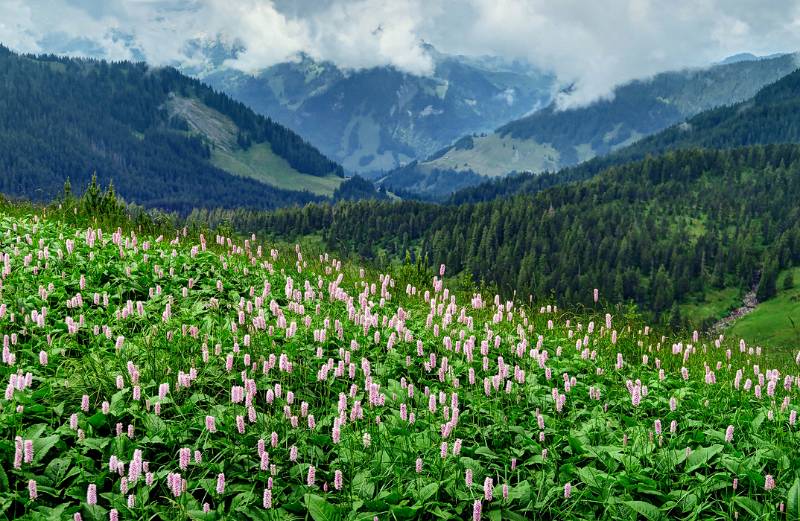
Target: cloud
590	45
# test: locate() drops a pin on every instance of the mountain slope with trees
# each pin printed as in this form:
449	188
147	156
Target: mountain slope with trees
772	116
63	118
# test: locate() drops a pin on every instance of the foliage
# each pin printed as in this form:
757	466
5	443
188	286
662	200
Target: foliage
554	415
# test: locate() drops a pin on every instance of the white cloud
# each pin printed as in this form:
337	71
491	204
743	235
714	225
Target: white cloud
592	45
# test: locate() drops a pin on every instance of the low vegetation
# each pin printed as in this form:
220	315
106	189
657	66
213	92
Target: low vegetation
193	374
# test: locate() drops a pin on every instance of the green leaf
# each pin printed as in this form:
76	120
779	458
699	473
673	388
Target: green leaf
3	480
319	509
521	491
404	512
645	509
42	445
485	452
753	507
793	501
495	515
593	477
427	491
701	456
364	486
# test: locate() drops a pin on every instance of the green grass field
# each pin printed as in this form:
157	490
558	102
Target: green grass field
770	325
259	162
716	304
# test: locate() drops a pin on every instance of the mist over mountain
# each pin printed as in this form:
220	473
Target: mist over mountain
552	138
376	119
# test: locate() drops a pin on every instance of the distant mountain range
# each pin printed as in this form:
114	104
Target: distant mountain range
770	117
165	140
551	139
377	119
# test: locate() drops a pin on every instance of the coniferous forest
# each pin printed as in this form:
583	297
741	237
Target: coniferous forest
653	232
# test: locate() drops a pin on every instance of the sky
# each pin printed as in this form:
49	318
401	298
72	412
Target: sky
591	44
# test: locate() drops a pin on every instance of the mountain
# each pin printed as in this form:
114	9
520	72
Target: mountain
551	139
772	116
165	140
376	119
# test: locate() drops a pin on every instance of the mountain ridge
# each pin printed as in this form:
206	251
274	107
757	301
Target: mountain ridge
378	118
551	139
67	118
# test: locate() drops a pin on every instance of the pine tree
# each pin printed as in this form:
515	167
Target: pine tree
675	318
768	285
788	281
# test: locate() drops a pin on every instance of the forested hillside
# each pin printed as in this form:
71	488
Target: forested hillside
654	232
65	118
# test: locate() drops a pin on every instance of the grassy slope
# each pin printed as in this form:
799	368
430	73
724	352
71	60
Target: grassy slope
259	162
716	304
770	324
494	155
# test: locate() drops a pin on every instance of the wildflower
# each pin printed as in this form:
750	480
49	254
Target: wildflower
468	478
211	424
311	476
418	466
113	515
488	489
220	483
91	495
183	458
769	482
567	490
32	489
729	434
28	451
476	510
267	499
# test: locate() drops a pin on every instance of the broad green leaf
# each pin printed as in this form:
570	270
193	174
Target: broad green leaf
593	477
701	456
319	509
495	515
793	501
42	445
485	452
645	509
427	491
752	506
404	512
